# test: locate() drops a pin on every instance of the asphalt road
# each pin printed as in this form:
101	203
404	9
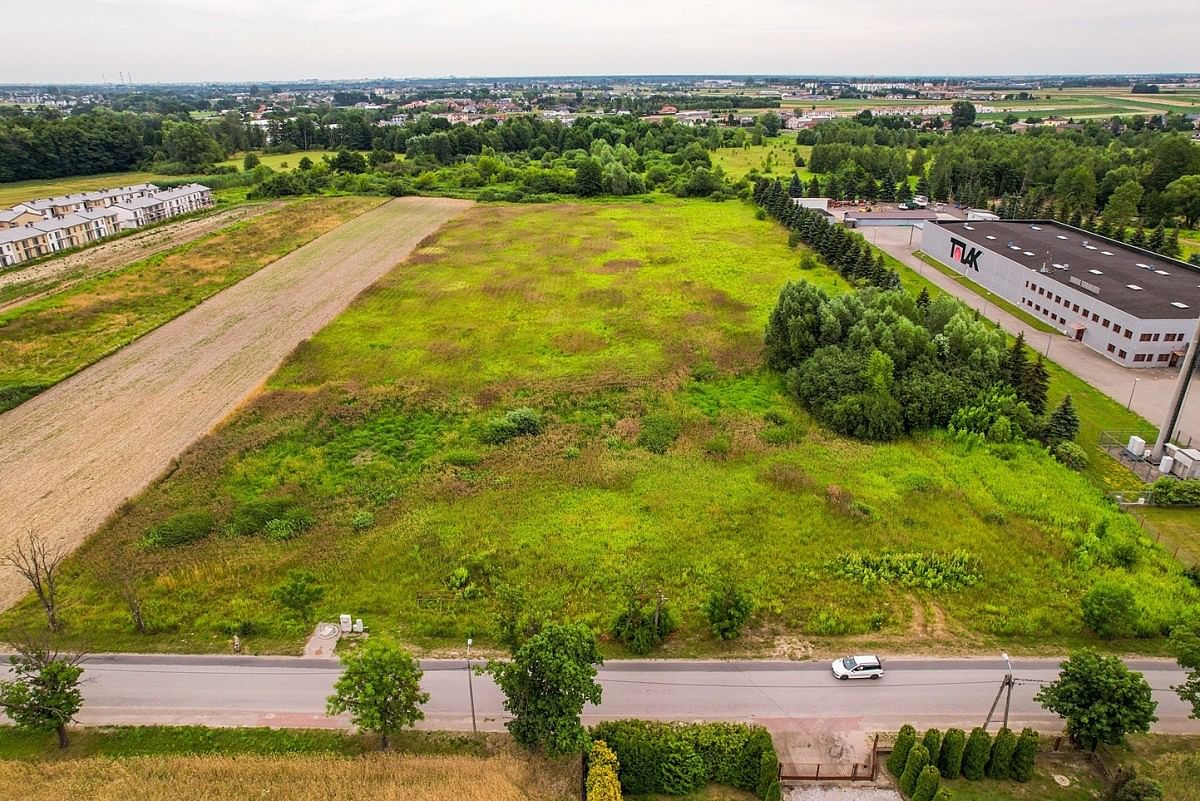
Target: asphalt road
282	691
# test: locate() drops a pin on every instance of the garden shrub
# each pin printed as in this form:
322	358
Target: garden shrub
1071	455
727	609
1139	789
905	740
677	759
976	754
927	784
933	744
950	759
522	422
635	626
659	432
918	759
180	529
461	457
252	517
1109	609
603	768
362	520
1024	756
1173	492
929	571
1000	764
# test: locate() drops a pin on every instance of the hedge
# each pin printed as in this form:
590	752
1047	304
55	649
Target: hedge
1000	765
677	759
180	529
602	781
950	759
1173	492
1023	758
904	742
976	754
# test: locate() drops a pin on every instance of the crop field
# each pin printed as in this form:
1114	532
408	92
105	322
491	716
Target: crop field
668	460
47	340
162	764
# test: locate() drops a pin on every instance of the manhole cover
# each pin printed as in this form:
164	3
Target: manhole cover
327	631
1061	781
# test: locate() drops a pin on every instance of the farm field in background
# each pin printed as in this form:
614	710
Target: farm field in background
669	460
47	340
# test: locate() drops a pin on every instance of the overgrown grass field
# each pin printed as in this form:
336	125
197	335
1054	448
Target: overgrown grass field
668	460
45	341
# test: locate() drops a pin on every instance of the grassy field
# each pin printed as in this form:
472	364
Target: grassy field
186	762
45	341
775	157
16	191
669	460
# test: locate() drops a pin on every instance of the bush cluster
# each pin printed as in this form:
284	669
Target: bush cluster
602	783
929	571
659	432
677	759
1172	492
918	764
180	529
643	624
522	422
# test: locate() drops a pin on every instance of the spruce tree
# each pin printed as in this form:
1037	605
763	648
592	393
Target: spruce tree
905	740
951	757
1015	363
795	189
1063	424
1023	758
927	784
1158	238
814	188
923	302
1171	248
976	754
933	744
1035	386
1138	240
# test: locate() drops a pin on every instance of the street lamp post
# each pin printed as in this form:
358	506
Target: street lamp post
1131	391
1005	684
471	687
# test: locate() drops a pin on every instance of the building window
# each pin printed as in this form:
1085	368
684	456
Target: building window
1111	347
1095	318
1144	338
1075	307
1168	337
1116	328
1162	357
1121	354
1128	334
1139	357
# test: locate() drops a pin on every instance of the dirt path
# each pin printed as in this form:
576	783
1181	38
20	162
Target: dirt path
71	455
71	269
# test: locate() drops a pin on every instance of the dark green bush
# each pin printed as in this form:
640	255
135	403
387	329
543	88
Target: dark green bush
918	759
1024	756
636	626
976	754
252	517
180	529
905	740
522	422
1000	764
950	759
677	759
1173	492
933	744
727	609
927	784
659	432
1139	789
1109	609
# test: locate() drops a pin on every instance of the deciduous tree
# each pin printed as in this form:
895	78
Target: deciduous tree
380	688
1101	699
43	694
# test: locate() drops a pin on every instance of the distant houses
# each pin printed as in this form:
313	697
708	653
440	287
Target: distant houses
36	228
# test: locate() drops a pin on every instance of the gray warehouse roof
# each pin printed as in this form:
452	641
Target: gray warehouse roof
899	214
1137	281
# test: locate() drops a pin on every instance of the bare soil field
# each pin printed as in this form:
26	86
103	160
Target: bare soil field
51	276
70	456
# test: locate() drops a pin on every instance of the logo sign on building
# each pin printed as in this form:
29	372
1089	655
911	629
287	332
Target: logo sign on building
968	257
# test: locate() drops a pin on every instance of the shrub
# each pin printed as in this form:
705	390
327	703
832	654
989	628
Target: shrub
727	609
1071	455
976	754
933	744
927	784
950	759
643	624
462	457
1139	789
1109	609
904	743
768	772
252	517
523	422
918	759
1024	756
659	432
362	520
1173	492
180	529
929	571
602	781
1000	764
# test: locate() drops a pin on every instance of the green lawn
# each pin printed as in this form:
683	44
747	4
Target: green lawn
610	320
17	191
45	341
775	157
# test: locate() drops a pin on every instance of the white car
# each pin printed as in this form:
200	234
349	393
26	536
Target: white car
864	666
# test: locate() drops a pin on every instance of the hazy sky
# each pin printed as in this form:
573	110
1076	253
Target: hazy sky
196	40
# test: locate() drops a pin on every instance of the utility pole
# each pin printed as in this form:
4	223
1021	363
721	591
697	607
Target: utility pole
471	688
1178	397
1006	684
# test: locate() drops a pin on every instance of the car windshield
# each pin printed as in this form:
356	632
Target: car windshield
849	663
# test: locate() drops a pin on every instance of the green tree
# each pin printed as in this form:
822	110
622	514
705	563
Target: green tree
962	115
1122	204
727	609
190	145
1184	195
950	759
1101	699
1185	643
1139	788
1109	609
250	161
588	178
933	744
905	740
380	688
299	593
1158	238
43	694
918	760
1076	188
1024	756
1035	386
1063	424
976	754
545	686
927	784
1000	763
305	164
348	161
1015	364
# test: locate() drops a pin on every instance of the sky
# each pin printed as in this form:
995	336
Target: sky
87	41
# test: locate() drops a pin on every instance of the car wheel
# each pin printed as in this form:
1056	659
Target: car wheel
877	675
842	678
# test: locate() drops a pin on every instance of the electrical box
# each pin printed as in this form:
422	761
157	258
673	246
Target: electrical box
346	625
1136	447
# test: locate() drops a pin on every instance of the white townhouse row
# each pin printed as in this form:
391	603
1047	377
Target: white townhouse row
37	228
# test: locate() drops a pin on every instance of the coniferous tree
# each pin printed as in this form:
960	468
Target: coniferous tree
1035	386
1158	238
1063	424
795	189
1138	239
905	740
1171	247
923	301
1015	363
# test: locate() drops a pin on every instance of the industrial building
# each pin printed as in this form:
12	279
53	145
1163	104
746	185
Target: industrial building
1137	308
